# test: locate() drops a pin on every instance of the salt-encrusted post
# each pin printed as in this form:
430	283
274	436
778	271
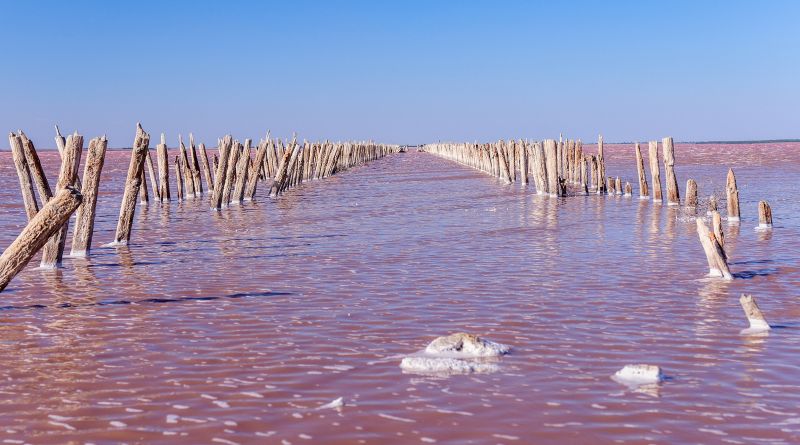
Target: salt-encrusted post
712	204
195	167
551	160
764	215
691	193
162	157
540	169
673	196
23	172
716	227
252	179
601	166
53	251
758	323
230	178
186	172
717	261
148	162
628	189
523	162
132	184
618	186
60	142
655	171
644	192
179	178
733	197
206	170
241	173
41	227
35	166
220	172
84	220
144	198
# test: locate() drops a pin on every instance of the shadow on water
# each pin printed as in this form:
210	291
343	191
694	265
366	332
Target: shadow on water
144	301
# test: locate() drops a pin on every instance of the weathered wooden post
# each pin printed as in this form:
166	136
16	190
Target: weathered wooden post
733	197
618	186
673	196
221	171
716	227
655	171
758	323
162	157
84	220
186	172
717	261
712	204
36	170
41	227
230	178
178	178
60	142
132	184
523	162
144	198
24	174
252	180
644	192
551	160
206	170
610	185
195	167
628	189
764	215
241	173
691	193
601	167
53	251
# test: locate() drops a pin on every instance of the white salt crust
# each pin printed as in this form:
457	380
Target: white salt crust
635	375
456	354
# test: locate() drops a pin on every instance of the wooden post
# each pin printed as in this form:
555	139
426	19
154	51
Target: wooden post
717	261
132	184
618	186
53	251
41	227
523	162
610	185
764	215
733	197
24	174
179	177
712	204
144	198
252	180
60	142
148	162
220	172
691	193
758	323
644	192
206	170
84	221
186	172
195	167
551	161
655	171
601	165
241	173
35	167
162	157
673	196
716	227
628	189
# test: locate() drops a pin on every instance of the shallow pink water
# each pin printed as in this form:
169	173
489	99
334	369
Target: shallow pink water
234	327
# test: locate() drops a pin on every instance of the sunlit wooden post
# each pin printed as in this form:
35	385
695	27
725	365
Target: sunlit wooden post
132	184
53	251
84	220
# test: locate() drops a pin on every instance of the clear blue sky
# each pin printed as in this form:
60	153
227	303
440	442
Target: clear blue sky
402	71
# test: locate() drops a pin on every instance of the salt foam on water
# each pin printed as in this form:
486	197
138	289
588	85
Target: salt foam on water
636	375
455	354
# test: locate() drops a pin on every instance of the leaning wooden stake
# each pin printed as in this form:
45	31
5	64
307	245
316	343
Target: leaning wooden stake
716	228
758	323
206	170
35	166
151	172
132	185
691	193
220	172
252	178
24	174
42	227
764	215
195	167
53	251
655	171
241	173
186	172
717	261
644	192
84	220
733	197
673	196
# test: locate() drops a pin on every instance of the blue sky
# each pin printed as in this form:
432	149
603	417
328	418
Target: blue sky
403	71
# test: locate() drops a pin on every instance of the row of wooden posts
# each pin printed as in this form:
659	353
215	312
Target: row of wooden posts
561	168
231	178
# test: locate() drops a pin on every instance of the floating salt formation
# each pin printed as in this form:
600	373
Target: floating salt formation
456	354
336	404
758	324
638	375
